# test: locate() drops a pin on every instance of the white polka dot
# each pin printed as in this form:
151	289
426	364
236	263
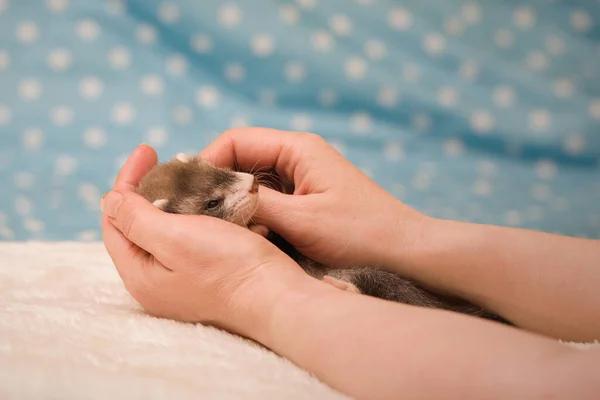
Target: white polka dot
421	122
263	45
57	6
120	161
387	97
229	15
4	60
421	181
24	180
23	205
594	109
235	72
574	144
454	26
61	115
145	34
6	233
524	17
447	97
201	43
339	147
176	65
340	24
87	236
34	225
33	138
301	123
399	19
207	96
503	96
555	45
560	204
482	121
327	97
504	38
3	6
375	49
115	7
94	137
539	120
119	58
168	13
294	71
59	59
469	69
355	68
540	192
486	168
5	115
563	88
157	136
411	73
27	32
513	218
30	89
393	151
546	169
322	41
360	122
453	147
87	30
267	98
398	190
90	87
65	165
123	114
536	61
434	44
151	85
471	12
482	187
182	115
289	14
581	21
239	121
307	4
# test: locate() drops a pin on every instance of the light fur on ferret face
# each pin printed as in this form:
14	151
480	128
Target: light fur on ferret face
187	185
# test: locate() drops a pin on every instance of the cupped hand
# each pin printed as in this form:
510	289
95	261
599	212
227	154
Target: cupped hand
336	215
191	268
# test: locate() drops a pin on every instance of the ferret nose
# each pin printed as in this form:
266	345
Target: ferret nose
254	187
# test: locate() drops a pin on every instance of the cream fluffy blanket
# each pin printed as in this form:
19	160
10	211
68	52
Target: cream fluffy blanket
69	330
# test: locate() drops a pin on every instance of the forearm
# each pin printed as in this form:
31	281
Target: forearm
372	349
545	283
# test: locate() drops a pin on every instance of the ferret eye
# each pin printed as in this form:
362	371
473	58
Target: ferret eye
212	204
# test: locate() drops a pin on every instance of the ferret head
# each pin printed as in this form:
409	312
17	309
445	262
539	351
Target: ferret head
188	185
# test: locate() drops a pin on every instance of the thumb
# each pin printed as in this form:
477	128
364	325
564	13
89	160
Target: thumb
137	219
278	211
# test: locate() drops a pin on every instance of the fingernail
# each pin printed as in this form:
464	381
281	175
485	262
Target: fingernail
110	203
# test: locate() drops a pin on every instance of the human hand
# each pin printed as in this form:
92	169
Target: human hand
182	267
337	215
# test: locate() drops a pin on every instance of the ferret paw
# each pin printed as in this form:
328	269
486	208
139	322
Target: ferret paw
343	285
184	158
262	230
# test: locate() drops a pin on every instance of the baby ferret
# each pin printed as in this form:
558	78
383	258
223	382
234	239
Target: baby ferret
188	185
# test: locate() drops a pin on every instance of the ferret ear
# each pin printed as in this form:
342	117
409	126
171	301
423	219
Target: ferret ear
161	204
184	158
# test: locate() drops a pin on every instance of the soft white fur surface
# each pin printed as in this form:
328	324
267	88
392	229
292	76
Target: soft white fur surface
69	330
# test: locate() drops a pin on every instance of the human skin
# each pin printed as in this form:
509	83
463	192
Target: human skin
182	267
541	282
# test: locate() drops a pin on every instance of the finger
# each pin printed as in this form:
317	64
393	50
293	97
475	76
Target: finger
262	148
277	211
141	160
137	219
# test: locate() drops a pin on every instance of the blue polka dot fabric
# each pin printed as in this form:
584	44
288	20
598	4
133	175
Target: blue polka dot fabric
476	110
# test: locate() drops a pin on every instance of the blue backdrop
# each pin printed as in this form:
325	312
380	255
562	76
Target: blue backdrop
486	110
